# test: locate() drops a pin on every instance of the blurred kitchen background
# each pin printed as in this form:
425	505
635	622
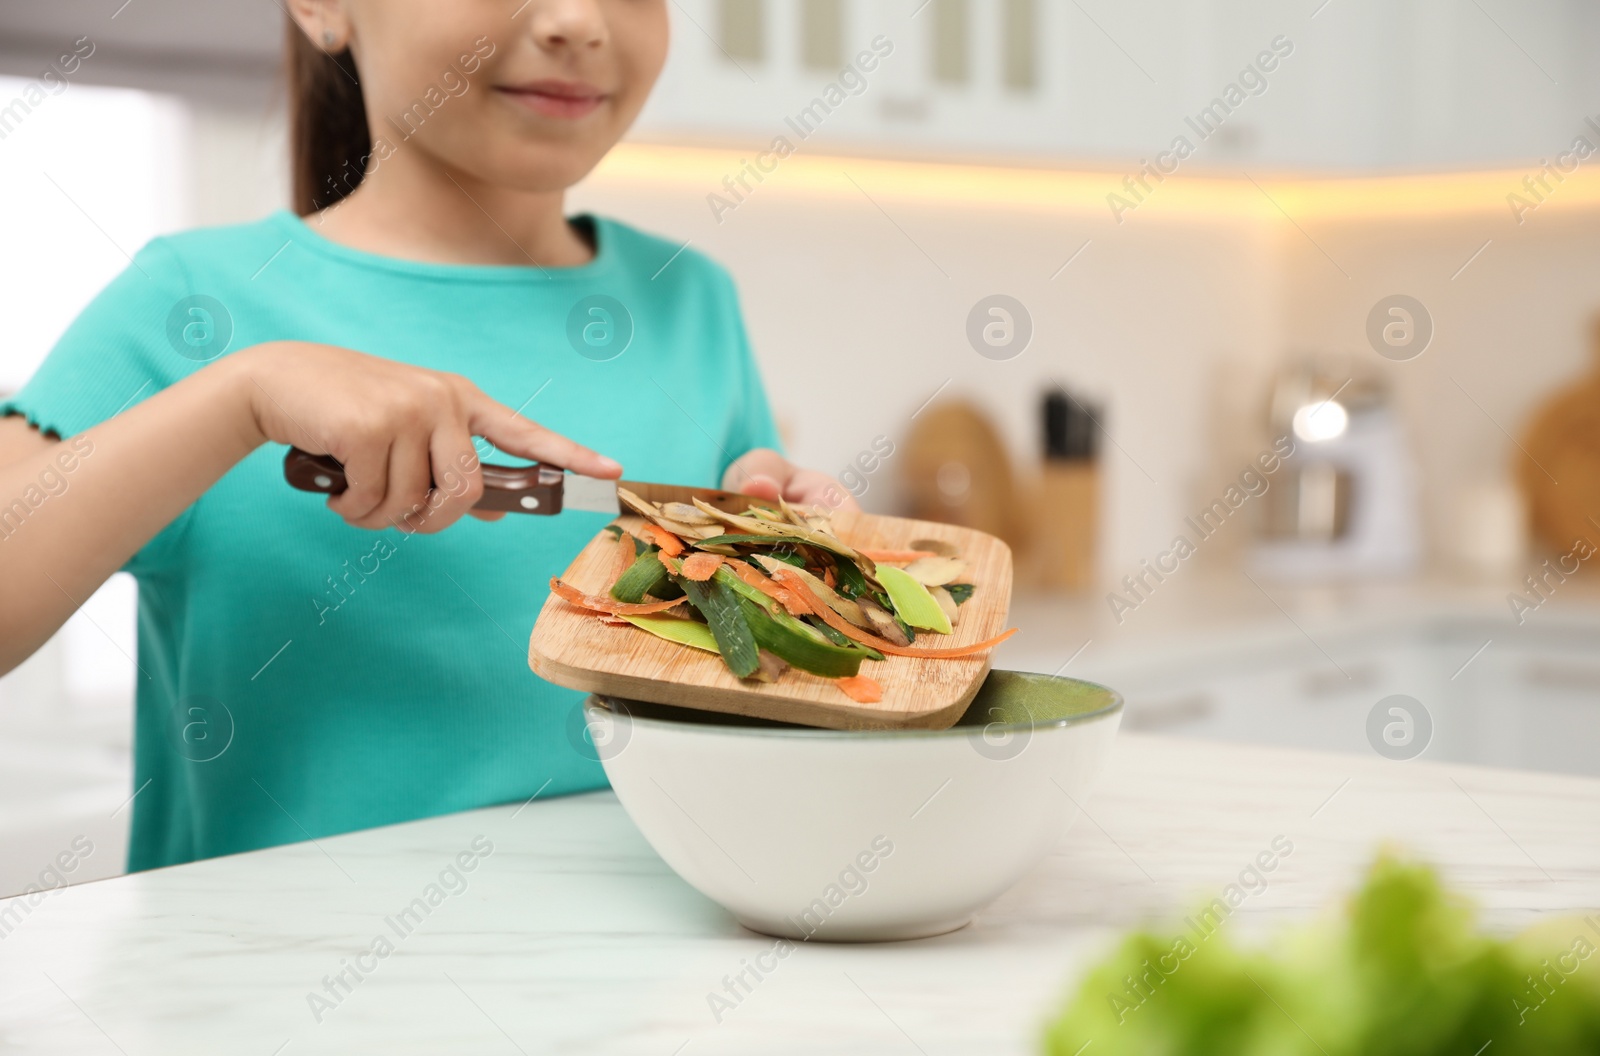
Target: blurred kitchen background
1076	272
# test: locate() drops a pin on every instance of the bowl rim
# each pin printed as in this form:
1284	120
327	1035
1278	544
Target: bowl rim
1112	707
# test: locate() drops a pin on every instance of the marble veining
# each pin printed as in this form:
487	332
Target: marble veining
569	935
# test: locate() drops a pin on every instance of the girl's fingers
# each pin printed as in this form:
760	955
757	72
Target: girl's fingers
761	487
425	476
757	462
366	474
457	483
509	431
809	487
405	506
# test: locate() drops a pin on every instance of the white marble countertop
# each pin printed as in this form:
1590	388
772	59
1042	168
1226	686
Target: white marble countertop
572	936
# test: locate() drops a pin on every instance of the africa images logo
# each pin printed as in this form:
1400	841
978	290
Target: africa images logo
999	327
1399	727
199	328
599	328
200	727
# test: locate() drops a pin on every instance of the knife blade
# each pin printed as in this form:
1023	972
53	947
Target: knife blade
542	490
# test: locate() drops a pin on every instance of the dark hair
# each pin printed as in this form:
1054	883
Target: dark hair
328	136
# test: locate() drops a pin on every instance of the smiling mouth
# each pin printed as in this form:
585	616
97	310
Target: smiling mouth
558	99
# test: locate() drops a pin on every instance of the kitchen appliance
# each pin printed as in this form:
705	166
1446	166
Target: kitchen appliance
571	648
1344	502
863	836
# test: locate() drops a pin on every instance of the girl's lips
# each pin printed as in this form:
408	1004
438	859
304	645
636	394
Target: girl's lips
558	99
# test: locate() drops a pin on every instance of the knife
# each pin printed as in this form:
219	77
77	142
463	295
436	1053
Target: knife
539	489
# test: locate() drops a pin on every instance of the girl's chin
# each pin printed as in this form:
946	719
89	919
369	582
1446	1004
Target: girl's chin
538	164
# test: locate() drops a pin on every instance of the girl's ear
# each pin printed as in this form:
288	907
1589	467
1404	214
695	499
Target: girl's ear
324	23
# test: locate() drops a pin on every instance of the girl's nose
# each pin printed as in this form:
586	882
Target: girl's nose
567	23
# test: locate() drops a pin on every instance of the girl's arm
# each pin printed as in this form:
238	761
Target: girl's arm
74	511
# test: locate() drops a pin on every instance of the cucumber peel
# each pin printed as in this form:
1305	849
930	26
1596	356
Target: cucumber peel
851	583
802	645
647	575
912	602
787	546
741	539
743	589
725	616
788	638
678	630
788	557
836	638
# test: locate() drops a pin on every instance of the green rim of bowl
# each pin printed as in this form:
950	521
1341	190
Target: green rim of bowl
1007	701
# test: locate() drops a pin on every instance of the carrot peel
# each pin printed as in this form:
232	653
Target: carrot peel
896	557
700	566
607	606
860	688
670	544
625	556
792	603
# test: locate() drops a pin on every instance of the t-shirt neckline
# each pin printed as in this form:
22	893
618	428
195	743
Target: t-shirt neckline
306	236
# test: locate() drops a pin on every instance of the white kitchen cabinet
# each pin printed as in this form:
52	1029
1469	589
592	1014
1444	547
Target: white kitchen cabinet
1538	702
1357	84
1369	84
1530	700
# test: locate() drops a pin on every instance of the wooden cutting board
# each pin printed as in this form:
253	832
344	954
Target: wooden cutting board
1563	444
574	649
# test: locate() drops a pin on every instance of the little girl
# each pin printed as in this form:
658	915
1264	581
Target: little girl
303	670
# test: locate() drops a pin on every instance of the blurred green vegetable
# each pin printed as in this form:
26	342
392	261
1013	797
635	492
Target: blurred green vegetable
1403	972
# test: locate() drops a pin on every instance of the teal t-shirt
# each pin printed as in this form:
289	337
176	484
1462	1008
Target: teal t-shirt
298	677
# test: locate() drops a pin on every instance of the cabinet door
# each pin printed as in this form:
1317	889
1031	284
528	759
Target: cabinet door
1296	697
1540	705
1530	704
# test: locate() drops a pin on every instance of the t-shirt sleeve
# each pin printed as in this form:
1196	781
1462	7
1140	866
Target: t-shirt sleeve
115	355
752	425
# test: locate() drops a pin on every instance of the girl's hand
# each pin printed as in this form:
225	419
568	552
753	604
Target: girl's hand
765	474
403	433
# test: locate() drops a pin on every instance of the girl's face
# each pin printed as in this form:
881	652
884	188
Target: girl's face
523	94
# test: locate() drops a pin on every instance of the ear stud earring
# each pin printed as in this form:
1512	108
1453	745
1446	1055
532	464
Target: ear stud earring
328	38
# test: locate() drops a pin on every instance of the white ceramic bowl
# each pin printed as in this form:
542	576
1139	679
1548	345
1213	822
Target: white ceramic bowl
860	836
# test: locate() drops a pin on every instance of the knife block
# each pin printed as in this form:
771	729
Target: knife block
1064	528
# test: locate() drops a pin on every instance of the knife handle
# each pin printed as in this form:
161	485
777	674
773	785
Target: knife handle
533	489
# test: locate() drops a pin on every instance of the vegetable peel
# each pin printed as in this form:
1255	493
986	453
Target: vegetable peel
861	689
912	602
701	566
846	628
608	606
670	544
